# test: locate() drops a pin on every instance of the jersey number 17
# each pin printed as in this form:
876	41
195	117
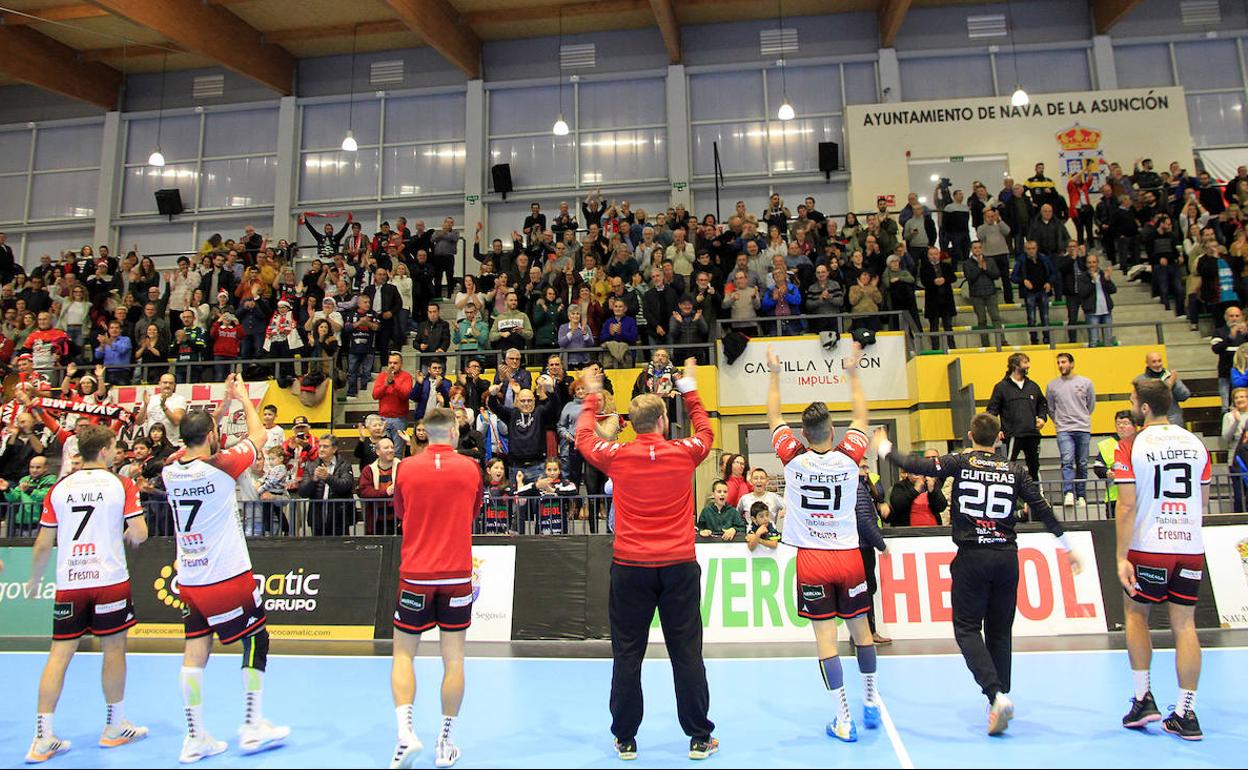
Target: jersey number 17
185	508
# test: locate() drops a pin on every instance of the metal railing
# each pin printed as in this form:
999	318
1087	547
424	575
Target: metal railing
1001	337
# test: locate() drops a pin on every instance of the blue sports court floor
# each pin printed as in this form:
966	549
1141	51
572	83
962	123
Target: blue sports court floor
542	712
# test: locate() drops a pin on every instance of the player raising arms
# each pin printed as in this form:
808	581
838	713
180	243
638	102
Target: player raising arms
437	494
1163	475
820	496
983	512
87	515
214	573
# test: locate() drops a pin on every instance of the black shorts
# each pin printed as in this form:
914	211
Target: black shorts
103	611
232	609
419	608
831	584
1167	577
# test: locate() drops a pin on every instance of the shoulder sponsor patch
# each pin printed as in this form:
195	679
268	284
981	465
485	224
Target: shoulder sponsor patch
1191	574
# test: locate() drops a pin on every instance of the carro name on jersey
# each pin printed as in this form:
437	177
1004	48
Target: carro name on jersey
207	489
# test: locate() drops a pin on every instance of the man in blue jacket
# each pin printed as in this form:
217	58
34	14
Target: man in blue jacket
1035	277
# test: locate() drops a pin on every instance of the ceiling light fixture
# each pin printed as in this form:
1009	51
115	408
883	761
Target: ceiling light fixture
561	126
348	142
786	111
157	158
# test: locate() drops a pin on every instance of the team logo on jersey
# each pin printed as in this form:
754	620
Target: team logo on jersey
1174	508
82	550
192	542
414	602
813	593
1158	575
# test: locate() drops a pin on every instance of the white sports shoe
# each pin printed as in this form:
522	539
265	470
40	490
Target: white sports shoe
1069	500
200	747
1000	714
447	754
41	750
1081	502
261	737
119	735
405	753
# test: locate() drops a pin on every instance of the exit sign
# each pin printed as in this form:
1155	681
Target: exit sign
956	159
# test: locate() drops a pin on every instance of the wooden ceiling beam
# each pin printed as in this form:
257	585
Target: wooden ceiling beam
892	13
1107	13
212	31
442	28
32	57
669	27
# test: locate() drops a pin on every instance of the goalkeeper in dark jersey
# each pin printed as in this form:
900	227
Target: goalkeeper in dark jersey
983	513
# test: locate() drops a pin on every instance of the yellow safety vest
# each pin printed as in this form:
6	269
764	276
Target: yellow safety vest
1108	448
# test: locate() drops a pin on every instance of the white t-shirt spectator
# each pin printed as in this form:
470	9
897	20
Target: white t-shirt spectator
156	414
275	436
775	504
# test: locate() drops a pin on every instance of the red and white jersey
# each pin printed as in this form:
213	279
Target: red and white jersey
1168	466
204	503
820	491
89	509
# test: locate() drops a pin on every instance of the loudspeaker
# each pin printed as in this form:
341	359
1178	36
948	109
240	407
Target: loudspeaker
169	202
501	173
829	158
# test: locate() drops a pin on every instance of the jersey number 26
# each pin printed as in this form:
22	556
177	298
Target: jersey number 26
991	501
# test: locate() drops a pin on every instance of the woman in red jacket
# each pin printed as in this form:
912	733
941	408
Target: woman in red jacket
732	471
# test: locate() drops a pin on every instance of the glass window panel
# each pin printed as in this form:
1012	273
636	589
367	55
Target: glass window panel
537	161
14	151
623	156
1208	64
141	183
810	89
521	110
325	125
726	95
69	147
1217	119
338	175
240	133
238	182
1143	66
423	169
795	144
623	103
424	118
55	243
860	83
179	138
1047	72
66	194
167	238
742	148
947	77
12	198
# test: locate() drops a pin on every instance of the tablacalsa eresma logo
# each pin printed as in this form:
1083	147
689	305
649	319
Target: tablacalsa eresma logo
293	591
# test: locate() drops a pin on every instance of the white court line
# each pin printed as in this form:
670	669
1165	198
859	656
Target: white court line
656	659
894	737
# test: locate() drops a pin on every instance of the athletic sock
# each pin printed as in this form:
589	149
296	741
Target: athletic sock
867	663
1187	702
193	700
403	715
116	713
43	726
447	724
253	696
834	679
1142	683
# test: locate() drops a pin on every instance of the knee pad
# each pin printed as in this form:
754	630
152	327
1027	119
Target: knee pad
256	650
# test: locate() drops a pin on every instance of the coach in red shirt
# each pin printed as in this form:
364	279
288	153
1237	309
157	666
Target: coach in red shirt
655	566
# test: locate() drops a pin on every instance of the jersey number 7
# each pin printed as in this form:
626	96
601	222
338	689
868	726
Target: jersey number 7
189	508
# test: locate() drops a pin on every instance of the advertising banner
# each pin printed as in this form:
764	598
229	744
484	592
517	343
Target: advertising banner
318	591
22	614
493	584
810	373
914	597
1226	559
750	596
